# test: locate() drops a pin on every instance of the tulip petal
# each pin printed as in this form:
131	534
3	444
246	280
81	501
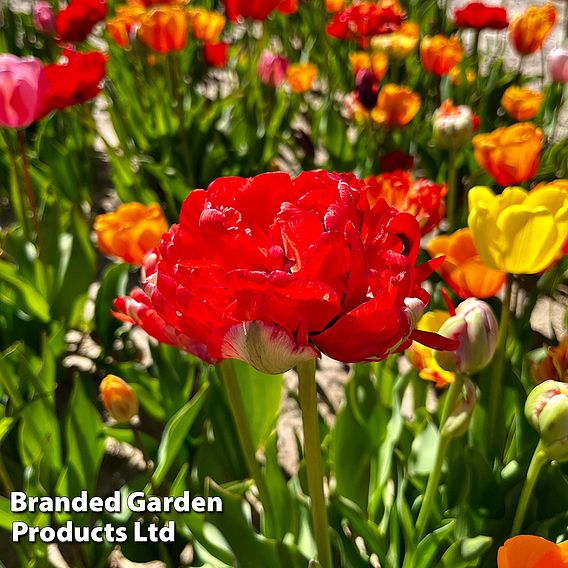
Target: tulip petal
268	348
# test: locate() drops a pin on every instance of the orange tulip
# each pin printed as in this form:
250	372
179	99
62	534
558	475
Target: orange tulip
396	106
423	358
439	54
206	26
422	198
301	77
118	398
528	31
164	29
554	366
361	60
522	103
119	27
131	231
334	6
511	155
400	44
462	269
527	551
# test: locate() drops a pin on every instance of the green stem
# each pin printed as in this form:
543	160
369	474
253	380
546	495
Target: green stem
21	209
443	442
313	460
452	189
538	460
498	365
235	400
30	192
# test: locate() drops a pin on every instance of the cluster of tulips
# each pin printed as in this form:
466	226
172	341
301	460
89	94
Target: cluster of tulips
259	185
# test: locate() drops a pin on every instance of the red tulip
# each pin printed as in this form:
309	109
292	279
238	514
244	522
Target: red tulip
215	54
254	9
362	20
75	22
273	270
77	79
288	7
479	16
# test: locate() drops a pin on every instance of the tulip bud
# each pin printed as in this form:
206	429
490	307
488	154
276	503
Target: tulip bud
475	327
118	398
43	17
367	89
558	65
457	423
453	125
547	411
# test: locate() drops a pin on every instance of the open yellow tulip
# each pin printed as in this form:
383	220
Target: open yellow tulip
518	232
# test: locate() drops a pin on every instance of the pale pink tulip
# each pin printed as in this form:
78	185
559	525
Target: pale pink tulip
558	64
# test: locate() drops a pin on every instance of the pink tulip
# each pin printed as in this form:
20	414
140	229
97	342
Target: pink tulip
272	68
43	17
558	64
23	88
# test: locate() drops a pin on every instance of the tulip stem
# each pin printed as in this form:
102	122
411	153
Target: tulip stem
29	189
538	460
313	459
235	400
452	189
498	364
20	210
443	442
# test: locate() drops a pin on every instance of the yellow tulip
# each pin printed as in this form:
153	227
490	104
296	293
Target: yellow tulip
518	232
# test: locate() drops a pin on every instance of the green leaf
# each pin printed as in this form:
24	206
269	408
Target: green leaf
466	552
85	443
431	548
31	301
250	549
262	397
175	434
113	284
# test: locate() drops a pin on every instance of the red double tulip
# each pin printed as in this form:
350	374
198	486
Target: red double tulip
479	16
273	270
253	9
77	79
75	22
363	20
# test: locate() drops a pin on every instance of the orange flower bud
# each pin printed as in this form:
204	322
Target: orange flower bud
301	77
462	269
118	398
206	26
522	103
131	231
528	31
439	54
396	106
361	60
334	6
164	29
459	75
511	155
